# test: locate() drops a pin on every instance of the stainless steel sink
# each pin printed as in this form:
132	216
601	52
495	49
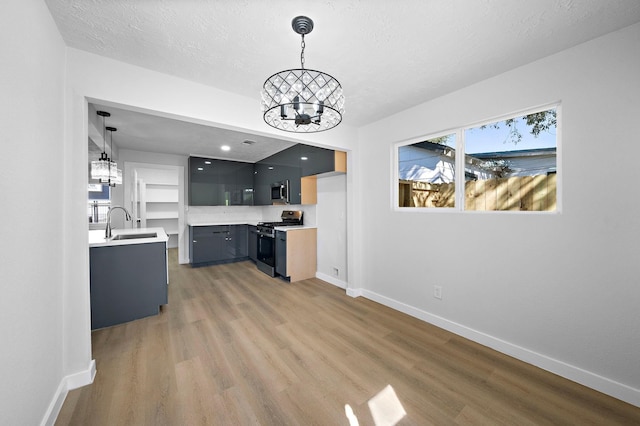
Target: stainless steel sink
134	236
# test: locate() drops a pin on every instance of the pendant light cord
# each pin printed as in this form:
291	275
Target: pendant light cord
104	137
302	53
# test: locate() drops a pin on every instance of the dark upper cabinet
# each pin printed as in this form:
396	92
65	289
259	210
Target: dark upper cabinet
220	182
232	183
262	177
284	165
244	185
315	160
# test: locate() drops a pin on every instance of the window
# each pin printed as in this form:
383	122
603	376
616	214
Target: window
426	172
508	165
99	202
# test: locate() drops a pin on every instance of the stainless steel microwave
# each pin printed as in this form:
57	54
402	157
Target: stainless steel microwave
280	192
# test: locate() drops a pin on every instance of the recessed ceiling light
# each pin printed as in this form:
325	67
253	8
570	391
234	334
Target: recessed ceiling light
225	147
303	158
270	167
200	168
207	162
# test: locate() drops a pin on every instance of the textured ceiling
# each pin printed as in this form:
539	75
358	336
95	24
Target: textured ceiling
388	55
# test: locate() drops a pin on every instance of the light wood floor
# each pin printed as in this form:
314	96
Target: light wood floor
236	347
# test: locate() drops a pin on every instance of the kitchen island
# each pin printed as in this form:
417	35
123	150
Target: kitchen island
128	275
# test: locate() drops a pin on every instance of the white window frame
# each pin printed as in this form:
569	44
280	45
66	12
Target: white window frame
459	133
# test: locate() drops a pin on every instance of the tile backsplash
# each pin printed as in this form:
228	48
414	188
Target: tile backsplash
248	214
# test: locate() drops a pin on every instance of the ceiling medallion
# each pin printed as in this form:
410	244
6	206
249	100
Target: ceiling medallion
302	100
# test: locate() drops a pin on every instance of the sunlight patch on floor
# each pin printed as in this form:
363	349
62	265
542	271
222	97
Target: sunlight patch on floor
386	409
351	416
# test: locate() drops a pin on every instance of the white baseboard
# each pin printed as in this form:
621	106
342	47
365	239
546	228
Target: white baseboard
354	292
70	382
331	280
82	378
568	371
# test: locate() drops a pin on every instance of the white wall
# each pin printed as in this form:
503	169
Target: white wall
31	225
331	215
560	291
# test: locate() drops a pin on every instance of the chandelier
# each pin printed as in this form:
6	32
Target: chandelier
302	100
105	170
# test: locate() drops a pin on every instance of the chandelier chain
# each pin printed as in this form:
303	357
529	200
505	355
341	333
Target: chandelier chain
302	53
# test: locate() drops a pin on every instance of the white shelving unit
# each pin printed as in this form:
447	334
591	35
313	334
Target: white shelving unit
158	200
160	207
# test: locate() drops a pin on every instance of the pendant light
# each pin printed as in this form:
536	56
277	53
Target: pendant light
115	174
100	168
302	100
105	170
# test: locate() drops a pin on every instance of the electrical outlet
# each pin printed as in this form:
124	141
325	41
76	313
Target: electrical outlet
336	271
437	292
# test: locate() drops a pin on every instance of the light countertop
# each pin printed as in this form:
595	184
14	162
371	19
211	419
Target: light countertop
293	228
222	222
253	223
97	239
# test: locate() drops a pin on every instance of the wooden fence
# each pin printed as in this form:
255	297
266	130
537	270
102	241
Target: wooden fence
526	193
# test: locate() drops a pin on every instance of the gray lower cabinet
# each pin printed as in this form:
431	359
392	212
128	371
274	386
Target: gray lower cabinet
281	253
218	244
127	282
253	242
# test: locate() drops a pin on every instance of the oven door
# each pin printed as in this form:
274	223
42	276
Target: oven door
266	254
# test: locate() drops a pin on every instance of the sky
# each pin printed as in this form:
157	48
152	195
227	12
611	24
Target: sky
496	140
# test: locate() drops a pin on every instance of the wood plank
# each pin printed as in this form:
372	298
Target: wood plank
502	193
513	194
552	180
235	346
480	195
448	195
470	195
539	193
526	193
490	189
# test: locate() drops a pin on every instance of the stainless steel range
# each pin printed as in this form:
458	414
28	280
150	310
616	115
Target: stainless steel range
266	240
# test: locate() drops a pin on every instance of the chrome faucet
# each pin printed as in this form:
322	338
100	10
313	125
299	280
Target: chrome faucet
127	216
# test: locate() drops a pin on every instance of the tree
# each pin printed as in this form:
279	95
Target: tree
538	122
442	140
